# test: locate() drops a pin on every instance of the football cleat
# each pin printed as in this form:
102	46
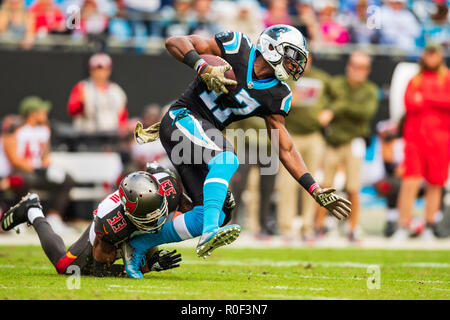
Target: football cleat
219	237
133	261
18	214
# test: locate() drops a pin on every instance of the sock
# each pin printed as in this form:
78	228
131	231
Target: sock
51	243
34	213
221	168
392	215
194	220
167	234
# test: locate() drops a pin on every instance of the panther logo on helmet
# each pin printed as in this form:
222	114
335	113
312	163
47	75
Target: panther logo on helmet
275	32
284	48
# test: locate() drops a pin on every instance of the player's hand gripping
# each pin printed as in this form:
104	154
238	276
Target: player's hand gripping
337	205
164	260
214	77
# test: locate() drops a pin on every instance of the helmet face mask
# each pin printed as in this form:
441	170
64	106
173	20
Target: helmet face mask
284	48
143	201
294	62
153	221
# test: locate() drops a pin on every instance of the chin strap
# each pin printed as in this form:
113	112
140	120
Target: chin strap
146	135
280	72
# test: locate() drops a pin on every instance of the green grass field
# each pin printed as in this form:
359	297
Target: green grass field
230	273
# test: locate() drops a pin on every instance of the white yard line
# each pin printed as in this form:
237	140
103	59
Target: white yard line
295	297
247	240
325	264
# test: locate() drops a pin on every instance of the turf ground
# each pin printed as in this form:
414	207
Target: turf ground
238	273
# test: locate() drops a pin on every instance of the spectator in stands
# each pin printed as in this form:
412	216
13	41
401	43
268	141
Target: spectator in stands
309	98
427	139
353	103
119	28
399	27
48	18
177	20
437	28
28	152
142	16
205	20
93	22
306	19
98	104
331	31
16	22
277	13
245	16
359	29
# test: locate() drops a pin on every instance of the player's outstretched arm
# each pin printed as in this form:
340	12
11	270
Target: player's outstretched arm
179	46
293	162
104	255
188	49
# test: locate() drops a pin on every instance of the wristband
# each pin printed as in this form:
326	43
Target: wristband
307	182
193	60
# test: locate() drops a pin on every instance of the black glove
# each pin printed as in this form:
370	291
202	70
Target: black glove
164	260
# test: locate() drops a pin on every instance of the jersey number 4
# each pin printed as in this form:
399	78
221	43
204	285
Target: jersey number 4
248	104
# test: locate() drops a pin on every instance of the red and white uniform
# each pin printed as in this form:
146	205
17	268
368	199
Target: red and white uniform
427	128
98	109
31	143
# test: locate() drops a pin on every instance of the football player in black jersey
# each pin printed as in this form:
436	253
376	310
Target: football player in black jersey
143	203
209	104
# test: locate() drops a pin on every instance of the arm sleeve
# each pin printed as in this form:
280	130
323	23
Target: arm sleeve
75	104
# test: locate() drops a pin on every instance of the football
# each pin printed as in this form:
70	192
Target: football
218	61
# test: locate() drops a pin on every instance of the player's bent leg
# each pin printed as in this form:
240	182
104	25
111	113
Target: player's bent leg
221	169
183	227
29	210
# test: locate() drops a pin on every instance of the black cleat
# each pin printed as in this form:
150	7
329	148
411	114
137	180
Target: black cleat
19	213
390	228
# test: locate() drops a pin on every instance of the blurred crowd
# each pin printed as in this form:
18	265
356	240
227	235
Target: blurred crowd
406	25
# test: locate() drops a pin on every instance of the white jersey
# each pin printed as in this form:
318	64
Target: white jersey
101	108
31	143
5	166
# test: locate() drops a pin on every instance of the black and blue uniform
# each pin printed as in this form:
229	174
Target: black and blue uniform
199	115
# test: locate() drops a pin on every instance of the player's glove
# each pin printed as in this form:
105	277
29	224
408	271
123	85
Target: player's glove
337	205
214	77
149	134
164	260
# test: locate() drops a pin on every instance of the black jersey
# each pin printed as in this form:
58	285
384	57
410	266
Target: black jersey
113	226
251	97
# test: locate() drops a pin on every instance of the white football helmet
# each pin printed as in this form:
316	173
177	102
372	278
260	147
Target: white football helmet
284	48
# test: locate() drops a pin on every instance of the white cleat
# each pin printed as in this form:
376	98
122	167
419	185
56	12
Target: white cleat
217	238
